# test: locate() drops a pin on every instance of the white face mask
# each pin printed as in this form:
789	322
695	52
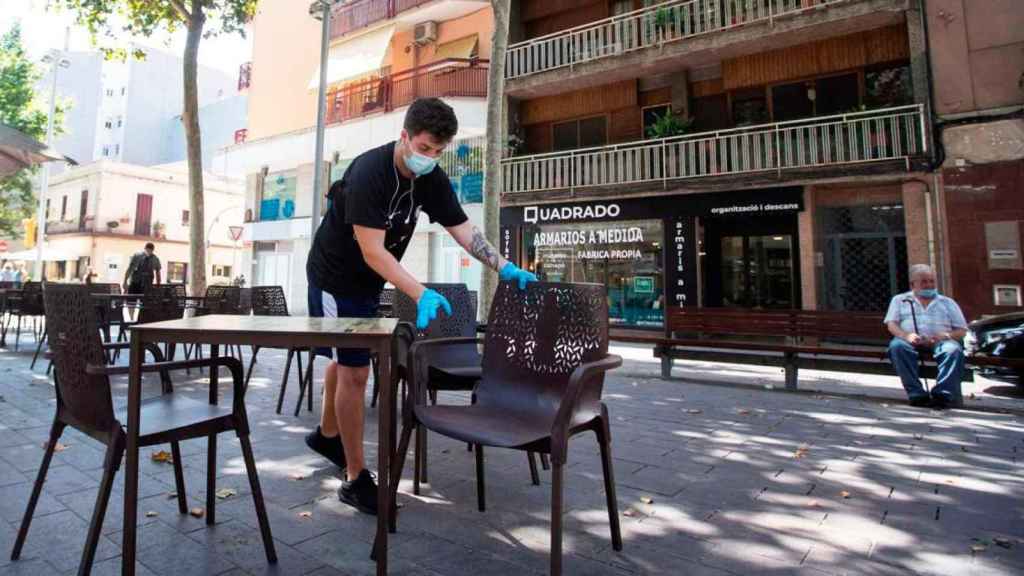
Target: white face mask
418	164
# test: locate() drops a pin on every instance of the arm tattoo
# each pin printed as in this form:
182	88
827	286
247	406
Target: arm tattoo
480	248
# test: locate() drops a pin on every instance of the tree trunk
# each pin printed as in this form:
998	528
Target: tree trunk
495	144
190	117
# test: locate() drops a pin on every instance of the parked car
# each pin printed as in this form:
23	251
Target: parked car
999	336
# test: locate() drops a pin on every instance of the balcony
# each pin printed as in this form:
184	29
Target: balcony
444	79
359	14
649	27
244	76
831	141
90	226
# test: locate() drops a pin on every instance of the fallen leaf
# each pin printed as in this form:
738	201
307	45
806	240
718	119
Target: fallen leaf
814	504
305	514
172	495
224	493
1002	542
151	514
297	476
197	512
744	412
630	513
694	411
978	548
647	500
918	437
162	456
845	494
58	447
950	481
801	452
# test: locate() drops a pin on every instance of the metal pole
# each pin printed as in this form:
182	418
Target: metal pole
44	172
321	113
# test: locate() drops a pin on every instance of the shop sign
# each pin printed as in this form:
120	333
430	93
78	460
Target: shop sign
643	284
539	214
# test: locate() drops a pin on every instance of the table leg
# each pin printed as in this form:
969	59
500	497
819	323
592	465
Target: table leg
131	468
385	439
211	448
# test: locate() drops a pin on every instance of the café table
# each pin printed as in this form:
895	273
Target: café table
105	305
270	332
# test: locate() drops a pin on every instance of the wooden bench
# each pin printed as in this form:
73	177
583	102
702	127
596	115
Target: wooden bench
792	339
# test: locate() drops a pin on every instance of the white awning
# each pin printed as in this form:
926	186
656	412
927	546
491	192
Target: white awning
49	255
356	57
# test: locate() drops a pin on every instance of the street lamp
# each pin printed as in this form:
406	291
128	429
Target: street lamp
56	60
320	10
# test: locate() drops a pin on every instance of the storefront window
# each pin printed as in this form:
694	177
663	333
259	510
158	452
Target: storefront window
625	256
278	200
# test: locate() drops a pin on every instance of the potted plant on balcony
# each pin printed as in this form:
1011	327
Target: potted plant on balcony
158	229
669	125
112	225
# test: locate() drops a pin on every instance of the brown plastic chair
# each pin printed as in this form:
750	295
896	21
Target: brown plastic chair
271	301
452	368
545	356
29	303
223	300
84	402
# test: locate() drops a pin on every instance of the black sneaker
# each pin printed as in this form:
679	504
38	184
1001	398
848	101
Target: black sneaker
360	493
940	402
921	401
329	448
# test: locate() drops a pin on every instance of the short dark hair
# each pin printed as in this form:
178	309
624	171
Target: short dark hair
431	115
149	246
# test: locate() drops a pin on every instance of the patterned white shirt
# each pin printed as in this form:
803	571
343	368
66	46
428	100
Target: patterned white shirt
942	315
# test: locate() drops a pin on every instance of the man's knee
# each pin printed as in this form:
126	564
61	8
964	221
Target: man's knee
901	346
354	377
950	349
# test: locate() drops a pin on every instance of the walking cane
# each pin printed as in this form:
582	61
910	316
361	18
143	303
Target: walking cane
920	360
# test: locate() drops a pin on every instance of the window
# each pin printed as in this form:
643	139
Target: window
837	94
117	149
47	209
120	121
625	255
583	133
184	217
621	7
278	199
749	107
710	113
177	272
106	151
651	114
222	271
110	91
107	124
63	207
122	90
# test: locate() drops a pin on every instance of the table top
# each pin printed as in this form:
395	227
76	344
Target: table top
265	325
116	296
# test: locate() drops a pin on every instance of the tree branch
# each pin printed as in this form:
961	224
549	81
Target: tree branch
179	7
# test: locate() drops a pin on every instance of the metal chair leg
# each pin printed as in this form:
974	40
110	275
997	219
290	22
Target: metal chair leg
39	348
284	379
481	495
545	463
534	476
56	429
257	498
115	450
605	441
211	479
557	474
252	362
179	478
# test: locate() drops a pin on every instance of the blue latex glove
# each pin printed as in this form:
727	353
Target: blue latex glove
426	308
512	272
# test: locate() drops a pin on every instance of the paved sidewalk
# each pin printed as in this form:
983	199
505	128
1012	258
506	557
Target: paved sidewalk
712	480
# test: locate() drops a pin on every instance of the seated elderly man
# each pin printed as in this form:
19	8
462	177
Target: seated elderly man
923	319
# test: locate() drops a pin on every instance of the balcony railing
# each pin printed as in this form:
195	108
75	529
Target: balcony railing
877	135
644	28
362	13
53	227
447	78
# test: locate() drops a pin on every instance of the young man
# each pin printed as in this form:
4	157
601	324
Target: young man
143	268
371	215
924	319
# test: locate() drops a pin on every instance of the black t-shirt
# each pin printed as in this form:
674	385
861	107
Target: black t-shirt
372	193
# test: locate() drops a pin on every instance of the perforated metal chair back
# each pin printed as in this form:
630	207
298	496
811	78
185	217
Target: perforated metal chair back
269	301
245	301
535	339
162	302
222	299
462	321
31	303
74	338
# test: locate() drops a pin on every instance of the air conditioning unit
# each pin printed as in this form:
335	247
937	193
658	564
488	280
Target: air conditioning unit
424	33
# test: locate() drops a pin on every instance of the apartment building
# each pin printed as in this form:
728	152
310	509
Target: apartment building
743	153
977	54
383	55
99	215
